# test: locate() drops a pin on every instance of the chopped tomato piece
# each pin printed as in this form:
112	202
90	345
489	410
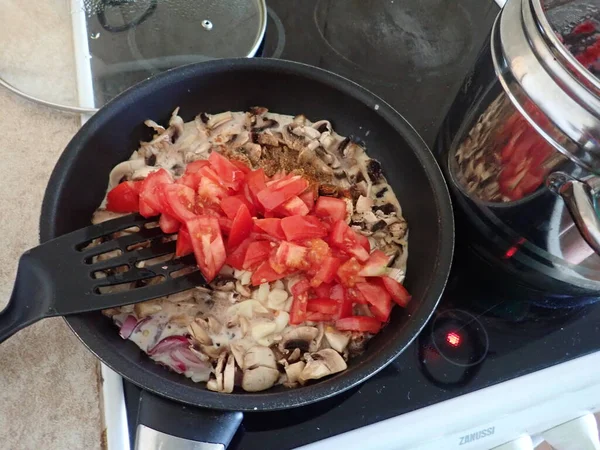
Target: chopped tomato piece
124	197
184	243
323	305
318	251
300	287
308	197
293	207
289	256
318	316
363	241
363	324
398	292
258	251
149	193
376	266
298	310
146	210
346	239
230	205
281	191
323	290
266	274
178	201
240	165
270	226
330	208
210	192
348	272
327	271
190	180
225	224
168	223
378	297
229	174
256	182
302	227
236	258
207	242
338	293
241	227
195	166
356	296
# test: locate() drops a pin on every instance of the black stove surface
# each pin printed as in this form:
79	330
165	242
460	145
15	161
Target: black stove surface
414	54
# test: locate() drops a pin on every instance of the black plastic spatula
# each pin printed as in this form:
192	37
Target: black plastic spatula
60	276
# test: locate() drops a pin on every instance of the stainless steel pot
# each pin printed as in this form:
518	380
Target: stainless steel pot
521	145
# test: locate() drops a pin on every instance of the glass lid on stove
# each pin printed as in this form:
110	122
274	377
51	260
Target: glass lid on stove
117	43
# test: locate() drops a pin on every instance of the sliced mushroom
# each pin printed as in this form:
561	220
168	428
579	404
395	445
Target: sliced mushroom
337	340
322	363
259	355
239	349
398	229
298	337
323	126
223	283
125	170
293	371
214	120
262	328
156	127
199	331
307	132
254	151
212	351
242	289
295	355
364	204
316	342
176	126
229	375
259	379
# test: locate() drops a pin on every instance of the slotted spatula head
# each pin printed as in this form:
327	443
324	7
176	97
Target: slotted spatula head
92	269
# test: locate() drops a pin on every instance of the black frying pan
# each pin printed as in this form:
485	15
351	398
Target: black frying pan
79	180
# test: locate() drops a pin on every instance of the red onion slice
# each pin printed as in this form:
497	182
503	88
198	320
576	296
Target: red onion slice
169	344
128	327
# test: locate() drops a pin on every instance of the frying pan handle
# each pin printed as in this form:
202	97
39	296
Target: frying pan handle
165	424
579	200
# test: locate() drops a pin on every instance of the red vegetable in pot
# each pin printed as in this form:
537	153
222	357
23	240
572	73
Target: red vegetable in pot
124	197
358	323
207	242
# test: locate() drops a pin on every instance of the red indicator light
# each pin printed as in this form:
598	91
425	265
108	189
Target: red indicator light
453	339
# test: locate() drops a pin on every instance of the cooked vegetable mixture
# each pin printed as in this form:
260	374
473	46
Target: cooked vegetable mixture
294	227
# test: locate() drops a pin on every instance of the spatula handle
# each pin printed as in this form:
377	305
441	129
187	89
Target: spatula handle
30	298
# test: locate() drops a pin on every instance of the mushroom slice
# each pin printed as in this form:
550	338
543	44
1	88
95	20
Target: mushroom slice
308	132
321	364
124	169
294	356
259	379
364	204
298	337
316	342
293	371
239	349
337	340
219	119
229	375
198	329
145	309
262	329
259	356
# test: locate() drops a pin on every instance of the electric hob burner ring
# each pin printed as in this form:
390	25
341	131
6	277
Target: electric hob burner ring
460	338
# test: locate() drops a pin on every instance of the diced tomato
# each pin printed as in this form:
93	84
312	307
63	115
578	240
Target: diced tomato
300	287
289	256
318	316
323	305
356	296
293	207
270	226
363	324
338	293
298	310
346	239
184	243
266	274
236	257
398	292
302	227
279	175
146	210
308	197
210	192
195	166
178	201
318	251
225	224
280	192
241	227
230	205
376	265
207	242
124	197
149	194
258	251
256	182
190	180
323	290
327	271
240	165
330	208
229	174
379	299
363	241
168	223
348	272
